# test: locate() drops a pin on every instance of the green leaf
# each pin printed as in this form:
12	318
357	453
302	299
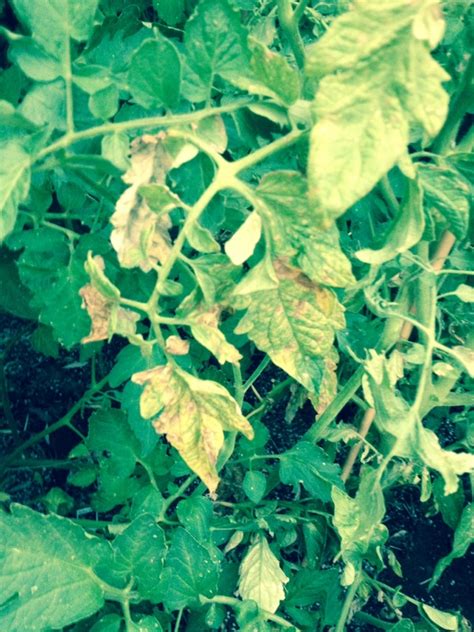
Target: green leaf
195	514
291	222
14	184
449	193
261	578
294	322
170	11
405	231
309	465
254	485
53	22
194	415
48	571
104	103
139	554
190	571
113	445
310	586
373	89
216	44
155	74
463	538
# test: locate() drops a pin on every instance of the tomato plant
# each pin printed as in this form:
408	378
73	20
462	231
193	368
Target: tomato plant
238	229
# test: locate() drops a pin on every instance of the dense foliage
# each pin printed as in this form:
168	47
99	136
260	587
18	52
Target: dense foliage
248	219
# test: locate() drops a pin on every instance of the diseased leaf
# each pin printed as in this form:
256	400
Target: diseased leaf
190	571
373	88
294	322
261	578
205	330
291	222
358	521
405	231
271	74
216	44
140	236
14	184
155	74
395	417
107	317
449	193
193	415
308	465
48	571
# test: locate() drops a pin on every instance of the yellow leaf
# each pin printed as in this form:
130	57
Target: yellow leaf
193	415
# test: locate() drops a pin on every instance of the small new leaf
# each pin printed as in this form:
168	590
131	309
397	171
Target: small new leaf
261	578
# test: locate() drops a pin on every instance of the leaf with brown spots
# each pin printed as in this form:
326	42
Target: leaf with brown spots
140	235
107	317
294	322
193	415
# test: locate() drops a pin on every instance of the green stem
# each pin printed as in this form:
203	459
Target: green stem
289	25
346	608
61	423
136	124
388	196
364	617
257	373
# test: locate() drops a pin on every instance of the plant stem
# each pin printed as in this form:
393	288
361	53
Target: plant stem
135	124
289	25
257	373
61	423
346	608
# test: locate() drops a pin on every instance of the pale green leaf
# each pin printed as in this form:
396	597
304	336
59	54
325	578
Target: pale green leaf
211	337
261	578
449	193
48	571
193	414
155	74
241	245
190	571
405	231
376	84
294	322
464	292
216	276
115	149
216	44
201	238
271	75
291	222
445	620
14	185
463	538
